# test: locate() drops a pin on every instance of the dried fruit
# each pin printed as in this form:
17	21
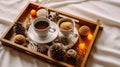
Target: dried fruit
33	12
63	40
71	56
42	48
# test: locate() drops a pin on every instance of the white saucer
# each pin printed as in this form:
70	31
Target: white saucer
50	37
72	38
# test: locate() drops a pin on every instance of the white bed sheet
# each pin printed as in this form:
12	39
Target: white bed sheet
107	46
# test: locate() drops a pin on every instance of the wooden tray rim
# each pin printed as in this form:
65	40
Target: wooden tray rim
42	55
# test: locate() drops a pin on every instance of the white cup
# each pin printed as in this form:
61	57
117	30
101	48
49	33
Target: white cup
41	26
64	31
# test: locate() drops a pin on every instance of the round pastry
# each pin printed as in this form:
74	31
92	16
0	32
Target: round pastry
19	29
84	30
19	39
56	51
66	25
71	56
42	48
41	12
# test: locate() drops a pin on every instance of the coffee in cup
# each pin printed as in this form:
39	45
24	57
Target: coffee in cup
41	26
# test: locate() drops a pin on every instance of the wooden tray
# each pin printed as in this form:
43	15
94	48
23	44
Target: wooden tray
24	18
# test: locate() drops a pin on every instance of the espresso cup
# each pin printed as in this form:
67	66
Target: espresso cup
66	26
41	26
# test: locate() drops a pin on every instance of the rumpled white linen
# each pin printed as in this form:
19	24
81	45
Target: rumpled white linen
106	52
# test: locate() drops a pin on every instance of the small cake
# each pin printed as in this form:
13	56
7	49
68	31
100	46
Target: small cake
71	56
66	25
42	48
19	29
57	52
42	12
84	30
19	39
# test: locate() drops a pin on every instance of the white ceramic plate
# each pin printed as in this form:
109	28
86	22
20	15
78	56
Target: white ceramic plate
50	37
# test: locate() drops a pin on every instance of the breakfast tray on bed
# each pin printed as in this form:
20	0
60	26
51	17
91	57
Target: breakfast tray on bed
83	44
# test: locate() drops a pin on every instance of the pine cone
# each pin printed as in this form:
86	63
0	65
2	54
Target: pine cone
57	52
19	29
